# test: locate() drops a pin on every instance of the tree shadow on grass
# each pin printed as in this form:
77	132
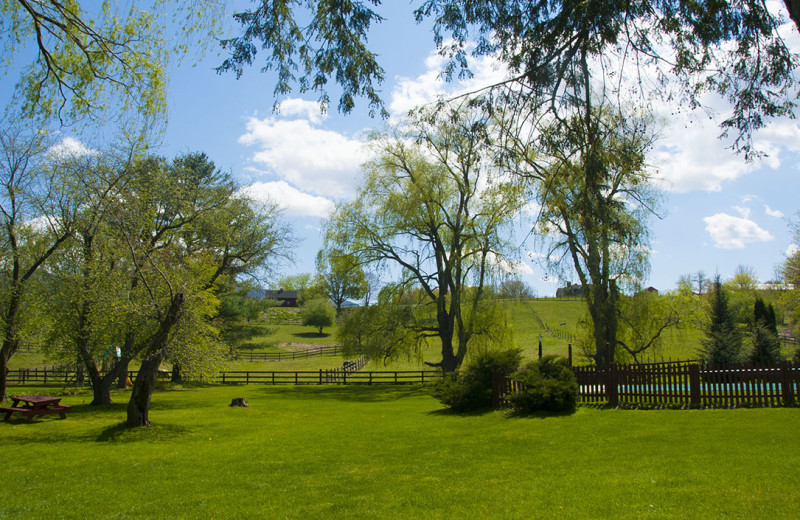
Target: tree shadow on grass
449	412
311	335
363	393
120	433
539	415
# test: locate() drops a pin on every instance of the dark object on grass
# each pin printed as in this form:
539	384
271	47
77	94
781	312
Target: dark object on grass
239	401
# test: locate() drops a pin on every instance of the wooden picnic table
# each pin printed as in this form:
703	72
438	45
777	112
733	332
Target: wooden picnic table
33	405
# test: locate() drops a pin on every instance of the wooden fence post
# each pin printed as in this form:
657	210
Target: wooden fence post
569	354
611	385
787	385
497	388
694	385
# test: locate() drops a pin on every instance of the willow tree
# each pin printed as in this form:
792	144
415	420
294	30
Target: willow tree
100	61
590	176
431	210
680	48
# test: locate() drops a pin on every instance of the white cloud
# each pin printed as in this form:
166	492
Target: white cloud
410	93
729	232
742	211
691	157
773	212
312	159
509	266
292	200
792	249
70	148
303	109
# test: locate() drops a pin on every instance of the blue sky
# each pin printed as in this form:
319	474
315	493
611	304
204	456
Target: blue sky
720	211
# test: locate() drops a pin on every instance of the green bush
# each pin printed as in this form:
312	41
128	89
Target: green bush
550	385
472	388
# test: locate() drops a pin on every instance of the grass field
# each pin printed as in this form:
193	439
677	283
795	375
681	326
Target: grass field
283	334
392	452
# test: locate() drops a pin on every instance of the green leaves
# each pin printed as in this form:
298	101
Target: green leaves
332	46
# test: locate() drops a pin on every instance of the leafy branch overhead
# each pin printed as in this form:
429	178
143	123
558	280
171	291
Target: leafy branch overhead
683	48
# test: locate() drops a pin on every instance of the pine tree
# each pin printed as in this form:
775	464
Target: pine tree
766	344
723	343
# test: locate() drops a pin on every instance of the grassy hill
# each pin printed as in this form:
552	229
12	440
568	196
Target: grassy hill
556	320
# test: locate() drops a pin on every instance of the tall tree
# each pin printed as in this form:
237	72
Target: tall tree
37	216
343	275
183	232
590	176
723	342
88	293
764	335
431	208
733	48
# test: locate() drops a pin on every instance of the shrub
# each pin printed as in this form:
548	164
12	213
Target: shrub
550	385
472	388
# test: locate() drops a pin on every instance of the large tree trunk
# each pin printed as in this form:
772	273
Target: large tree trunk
3	376
122	372
139	404
10	340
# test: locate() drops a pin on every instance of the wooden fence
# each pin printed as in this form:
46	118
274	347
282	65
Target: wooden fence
58	376
326	350
680	385
320	377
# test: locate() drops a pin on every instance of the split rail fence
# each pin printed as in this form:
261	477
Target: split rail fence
679	384
326	350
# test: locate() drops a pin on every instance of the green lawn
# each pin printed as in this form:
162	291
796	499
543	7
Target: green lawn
392	452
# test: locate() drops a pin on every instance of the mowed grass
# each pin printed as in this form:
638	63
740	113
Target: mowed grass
393	452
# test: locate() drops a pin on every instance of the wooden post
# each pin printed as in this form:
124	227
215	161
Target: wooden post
320	376
497	389
694	385
569	354
787	385
611	385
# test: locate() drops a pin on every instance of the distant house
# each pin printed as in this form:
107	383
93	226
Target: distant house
651	289
287	298
572	290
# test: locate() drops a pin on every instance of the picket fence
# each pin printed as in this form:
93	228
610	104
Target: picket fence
678	384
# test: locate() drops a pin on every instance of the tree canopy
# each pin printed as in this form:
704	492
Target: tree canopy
733	48
107	60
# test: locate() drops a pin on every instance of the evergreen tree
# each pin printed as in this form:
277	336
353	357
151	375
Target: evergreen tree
723	343
766	344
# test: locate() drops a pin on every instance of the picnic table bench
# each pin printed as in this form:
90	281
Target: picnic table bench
34	405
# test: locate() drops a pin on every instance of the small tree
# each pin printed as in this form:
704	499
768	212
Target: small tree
723	343
318	313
